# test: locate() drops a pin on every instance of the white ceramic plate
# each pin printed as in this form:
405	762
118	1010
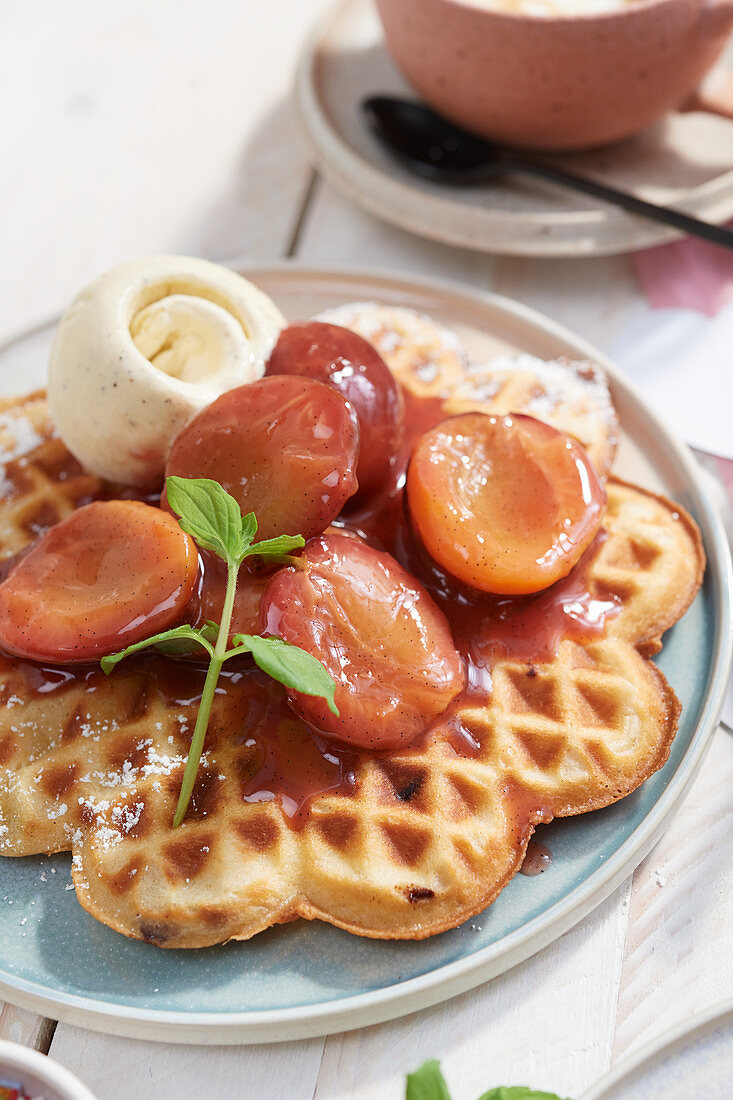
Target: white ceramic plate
684	161
692	1062
309	979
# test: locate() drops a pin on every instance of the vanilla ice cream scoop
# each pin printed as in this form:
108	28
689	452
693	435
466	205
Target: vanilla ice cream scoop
146	346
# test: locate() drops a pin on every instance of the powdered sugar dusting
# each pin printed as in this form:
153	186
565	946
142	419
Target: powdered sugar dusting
127	817
434	355
18	439
112	821
396	331
554	385
19	436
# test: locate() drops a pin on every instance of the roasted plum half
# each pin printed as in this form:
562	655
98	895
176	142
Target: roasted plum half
285	448
342	359
379	634
110	574
506	504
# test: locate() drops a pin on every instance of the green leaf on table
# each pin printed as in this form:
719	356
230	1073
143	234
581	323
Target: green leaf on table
427	1083
289	665
517	1092
179	640
208	513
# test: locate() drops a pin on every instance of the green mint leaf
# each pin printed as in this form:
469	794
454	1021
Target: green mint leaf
208	513
249	528
183	644
277	547
209	631
289	665
427	1083
181	639
517	1092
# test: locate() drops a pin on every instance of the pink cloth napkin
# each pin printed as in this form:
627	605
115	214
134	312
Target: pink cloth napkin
680	352
688	274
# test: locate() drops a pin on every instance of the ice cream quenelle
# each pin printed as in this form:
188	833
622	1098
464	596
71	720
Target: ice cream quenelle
145	347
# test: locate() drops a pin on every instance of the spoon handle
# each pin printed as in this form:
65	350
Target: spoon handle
717	234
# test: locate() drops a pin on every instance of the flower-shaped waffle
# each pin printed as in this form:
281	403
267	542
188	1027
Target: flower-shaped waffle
402	845
398	846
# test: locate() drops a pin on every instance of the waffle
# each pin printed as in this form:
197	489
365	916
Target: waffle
40	482
431	361
425	838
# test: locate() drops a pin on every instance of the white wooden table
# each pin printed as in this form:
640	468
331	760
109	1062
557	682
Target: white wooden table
140	128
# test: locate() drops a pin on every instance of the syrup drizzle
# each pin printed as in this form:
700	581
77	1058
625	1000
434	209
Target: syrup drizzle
522	628
277	755
537	859
285	759
293	765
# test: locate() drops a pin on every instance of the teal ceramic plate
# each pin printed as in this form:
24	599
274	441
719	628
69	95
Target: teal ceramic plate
308	978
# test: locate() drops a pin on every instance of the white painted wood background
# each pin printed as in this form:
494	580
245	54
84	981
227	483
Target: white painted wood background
167	126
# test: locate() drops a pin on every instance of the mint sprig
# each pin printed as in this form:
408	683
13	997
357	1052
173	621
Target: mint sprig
428	1083
213	518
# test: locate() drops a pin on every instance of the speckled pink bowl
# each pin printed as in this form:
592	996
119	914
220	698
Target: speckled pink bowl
560	82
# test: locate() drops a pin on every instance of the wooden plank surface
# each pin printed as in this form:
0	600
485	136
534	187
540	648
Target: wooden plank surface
484	1037
679	949
20	1026
120	1069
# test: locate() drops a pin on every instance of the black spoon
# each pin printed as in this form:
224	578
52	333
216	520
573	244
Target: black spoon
434	148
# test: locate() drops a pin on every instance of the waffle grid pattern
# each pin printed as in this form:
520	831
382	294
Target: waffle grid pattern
40	482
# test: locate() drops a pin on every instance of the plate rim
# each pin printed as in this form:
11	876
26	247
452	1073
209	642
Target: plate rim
446	981
391	199
659	1045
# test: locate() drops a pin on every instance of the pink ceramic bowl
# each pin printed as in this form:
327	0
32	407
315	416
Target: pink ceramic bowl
555	82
